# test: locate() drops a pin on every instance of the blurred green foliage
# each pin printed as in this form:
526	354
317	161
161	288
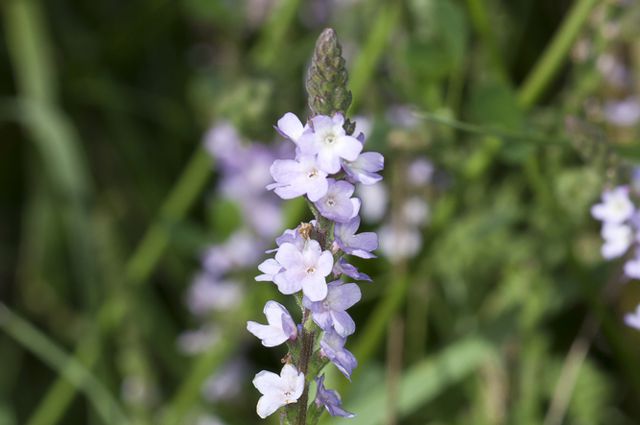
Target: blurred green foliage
508	314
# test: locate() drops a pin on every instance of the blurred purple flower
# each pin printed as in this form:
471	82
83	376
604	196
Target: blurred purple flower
633	319
623	113
208	294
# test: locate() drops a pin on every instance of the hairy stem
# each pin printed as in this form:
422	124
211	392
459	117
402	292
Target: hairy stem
306	351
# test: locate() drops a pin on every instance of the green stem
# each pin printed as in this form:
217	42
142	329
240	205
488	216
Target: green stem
140	265
555	54
71	369
480	20
365	64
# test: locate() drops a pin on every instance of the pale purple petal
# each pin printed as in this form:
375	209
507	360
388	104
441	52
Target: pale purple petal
343	323
269	268
341	297
348	147
332	346
314	288
290	126
289	256
287	284
342	267
330	399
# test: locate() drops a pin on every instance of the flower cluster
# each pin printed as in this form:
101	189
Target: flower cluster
217	291
310	261
621	232
620	227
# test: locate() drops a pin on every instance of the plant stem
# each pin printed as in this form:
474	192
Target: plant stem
555	54
306	352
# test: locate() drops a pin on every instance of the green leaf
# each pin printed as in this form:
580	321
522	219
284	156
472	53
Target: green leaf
422	382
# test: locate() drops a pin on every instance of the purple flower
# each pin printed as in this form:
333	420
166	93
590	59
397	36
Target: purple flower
616	207
415	211
332	346
330	142
278	391
399	242
633	319
330	313
226	383
375	200
359	245
224	143
420	172
365	168
342	267
623	113
617	239
209	294
330	399
298	177
337	204
280	329
632	267
304	269
200	340
242	249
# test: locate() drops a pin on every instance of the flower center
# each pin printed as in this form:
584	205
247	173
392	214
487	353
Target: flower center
329	138
313	173
311	270
331	202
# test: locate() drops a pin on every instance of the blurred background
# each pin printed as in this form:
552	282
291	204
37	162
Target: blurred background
135	141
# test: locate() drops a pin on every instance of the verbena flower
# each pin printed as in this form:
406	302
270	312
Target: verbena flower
304	269
330	400
278	391
330	313
337	204
280	329
360	245
332	346
620	226
617	239
633	319
297	177
330	142
365	168
616	207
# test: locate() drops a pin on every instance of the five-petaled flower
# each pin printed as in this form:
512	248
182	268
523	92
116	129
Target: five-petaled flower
278	391
304	269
